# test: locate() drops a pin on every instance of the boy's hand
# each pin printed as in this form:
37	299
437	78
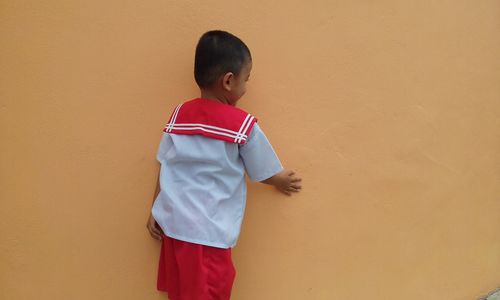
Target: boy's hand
153	228
286	182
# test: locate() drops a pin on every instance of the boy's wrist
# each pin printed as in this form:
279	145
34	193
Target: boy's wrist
274	180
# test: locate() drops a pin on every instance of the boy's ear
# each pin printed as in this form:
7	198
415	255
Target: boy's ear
227	81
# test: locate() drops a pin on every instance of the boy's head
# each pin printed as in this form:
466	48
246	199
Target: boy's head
222	63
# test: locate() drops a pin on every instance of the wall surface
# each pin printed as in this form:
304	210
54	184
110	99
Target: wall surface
389	110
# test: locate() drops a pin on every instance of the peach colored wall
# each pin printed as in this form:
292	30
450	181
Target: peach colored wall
389	110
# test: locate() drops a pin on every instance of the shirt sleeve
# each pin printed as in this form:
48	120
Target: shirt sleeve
259	158
165	145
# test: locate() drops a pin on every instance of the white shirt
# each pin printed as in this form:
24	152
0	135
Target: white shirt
202	185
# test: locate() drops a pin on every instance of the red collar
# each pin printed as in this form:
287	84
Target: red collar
211	119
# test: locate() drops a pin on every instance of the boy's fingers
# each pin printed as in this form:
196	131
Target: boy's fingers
158	229
155	234
295	186
291	173
296	180
153	230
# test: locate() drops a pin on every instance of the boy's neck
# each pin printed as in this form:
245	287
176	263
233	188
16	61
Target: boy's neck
213	95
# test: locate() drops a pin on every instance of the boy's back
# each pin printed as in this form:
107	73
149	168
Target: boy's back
207	148
202	184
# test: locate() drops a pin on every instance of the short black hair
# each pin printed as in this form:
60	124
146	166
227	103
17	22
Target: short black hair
217	53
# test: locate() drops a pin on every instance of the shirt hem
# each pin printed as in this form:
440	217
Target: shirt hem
197	241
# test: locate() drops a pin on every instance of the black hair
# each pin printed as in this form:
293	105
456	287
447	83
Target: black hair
217	53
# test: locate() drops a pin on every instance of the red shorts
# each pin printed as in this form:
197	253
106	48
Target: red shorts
190	271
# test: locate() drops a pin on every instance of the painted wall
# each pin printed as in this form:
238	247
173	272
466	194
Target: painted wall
389	110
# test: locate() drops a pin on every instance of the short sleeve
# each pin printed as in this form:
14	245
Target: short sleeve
165	145
261	162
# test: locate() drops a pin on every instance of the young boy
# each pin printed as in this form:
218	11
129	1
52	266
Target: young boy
207	148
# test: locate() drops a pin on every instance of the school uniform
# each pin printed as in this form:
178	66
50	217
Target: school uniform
205	151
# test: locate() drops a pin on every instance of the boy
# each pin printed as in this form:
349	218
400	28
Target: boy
207	148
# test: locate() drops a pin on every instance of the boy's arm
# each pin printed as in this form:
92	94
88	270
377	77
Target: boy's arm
261	161
286	182
151	224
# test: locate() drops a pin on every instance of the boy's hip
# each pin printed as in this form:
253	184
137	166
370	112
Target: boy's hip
190	271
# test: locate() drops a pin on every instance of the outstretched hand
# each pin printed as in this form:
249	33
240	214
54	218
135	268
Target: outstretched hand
286	182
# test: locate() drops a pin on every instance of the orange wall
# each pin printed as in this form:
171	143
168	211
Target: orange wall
389	110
